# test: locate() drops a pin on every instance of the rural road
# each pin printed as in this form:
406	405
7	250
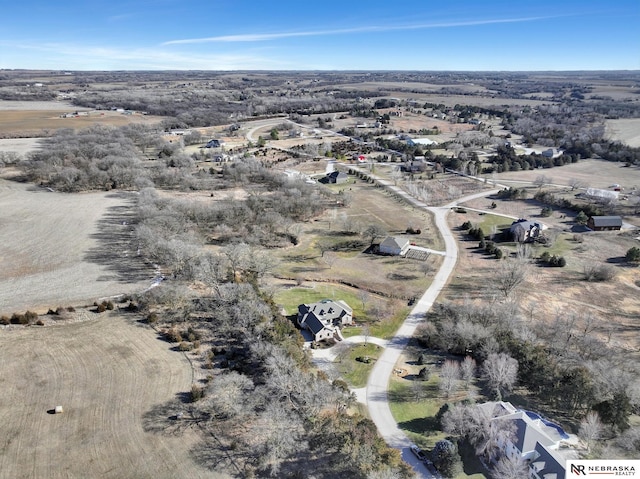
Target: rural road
376	392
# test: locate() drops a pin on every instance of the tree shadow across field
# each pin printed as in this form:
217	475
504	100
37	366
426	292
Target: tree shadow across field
421	425
116	247
171	418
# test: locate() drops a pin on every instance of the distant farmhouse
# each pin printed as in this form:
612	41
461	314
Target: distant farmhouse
335	177
214	143
604	223
401	246
417	165
324	319
551	153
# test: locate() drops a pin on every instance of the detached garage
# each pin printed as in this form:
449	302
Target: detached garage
394	245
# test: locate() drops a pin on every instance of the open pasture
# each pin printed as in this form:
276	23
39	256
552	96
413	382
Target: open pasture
625	130
59	249
25	123
594	173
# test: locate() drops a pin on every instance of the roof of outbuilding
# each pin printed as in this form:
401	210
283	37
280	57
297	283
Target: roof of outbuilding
337	174
394	242
607	220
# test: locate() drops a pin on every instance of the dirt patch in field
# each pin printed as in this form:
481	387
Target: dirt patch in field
21	146
65	249
17	105
118	386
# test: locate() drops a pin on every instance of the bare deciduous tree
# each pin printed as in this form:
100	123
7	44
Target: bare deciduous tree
468	370
509	467
386	473
330	258
373	232
575	184
449	375
590	429
501	372
487	432
226	396
510	275
542	180
454	421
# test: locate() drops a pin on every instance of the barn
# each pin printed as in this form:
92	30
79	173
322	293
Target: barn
604	223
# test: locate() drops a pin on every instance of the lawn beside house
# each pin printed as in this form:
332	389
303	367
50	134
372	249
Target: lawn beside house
415	405
352	364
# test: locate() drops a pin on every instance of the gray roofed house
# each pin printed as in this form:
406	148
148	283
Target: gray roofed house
214	143
525	230
547	464
324	318
337	177
535	440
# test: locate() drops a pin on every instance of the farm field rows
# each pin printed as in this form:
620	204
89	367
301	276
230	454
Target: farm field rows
116	383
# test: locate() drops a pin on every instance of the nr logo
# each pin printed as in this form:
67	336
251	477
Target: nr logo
578	470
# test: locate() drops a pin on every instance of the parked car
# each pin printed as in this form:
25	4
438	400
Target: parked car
419	453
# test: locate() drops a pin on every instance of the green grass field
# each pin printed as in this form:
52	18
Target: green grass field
415	406
382	321
354	372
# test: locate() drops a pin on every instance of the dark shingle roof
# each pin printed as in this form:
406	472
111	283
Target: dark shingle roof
548	464
314	324
607	221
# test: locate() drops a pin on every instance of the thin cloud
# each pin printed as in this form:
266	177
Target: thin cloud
262	37
85	57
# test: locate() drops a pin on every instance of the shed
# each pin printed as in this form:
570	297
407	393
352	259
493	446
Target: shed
604	223
337	177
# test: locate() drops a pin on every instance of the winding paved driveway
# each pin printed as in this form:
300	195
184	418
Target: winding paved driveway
376	392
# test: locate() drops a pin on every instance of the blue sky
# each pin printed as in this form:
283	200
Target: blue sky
512	35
